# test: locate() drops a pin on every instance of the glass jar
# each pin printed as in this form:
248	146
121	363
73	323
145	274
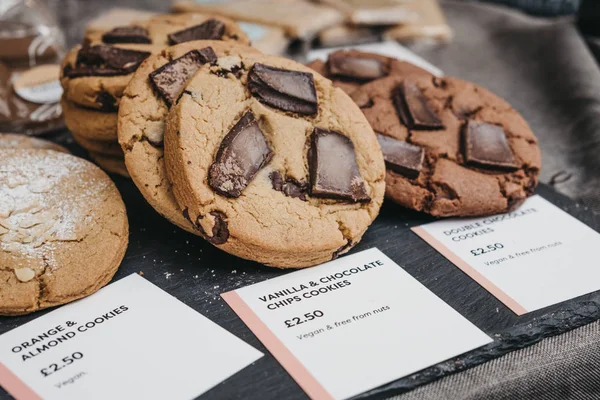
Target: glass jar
31	47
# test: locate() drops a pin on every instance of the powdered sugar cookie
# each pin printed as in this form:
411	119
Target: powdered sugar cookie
63	229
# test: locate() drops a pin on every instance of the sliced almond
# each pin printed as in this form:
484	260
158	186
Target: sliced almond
24	274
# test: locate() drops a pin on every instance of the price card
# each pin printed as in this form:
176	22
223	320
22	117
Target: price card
530	258
130	340
352	324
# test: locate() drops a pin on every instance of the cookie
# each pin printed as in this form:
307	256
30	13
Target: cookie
20	141
106	148
144	108
95	75
273	163
346	35
63	229
451	147
89	124
300	19
349	69
265	38
369	12
431	24
99	87
110	164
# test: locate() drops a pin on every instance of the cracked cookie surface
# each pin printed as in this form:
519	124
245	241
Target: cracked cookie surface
63	229
104	92
452	148
272	163
142	116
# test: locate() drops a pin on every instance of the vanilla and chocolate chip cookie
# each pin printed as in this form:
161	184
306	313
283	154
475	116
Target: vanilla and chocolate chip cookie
349	69
63	229
451	147
272	163
154	88
96	73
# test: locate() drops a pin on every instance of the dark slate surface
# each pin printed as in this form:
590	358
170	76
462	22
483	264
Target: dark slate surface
196	273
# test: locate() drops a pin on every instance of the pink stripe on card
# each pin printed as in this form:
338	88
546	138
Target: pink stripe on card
307	382
15	386
472	272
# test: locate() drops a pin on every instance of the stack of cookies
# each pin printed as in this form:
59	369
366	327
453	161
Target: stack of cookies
95	74
451	148
258	154
282	163
271	161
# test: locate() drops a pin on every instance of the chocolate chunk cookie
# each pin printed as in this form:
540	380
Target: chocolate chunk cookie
110	164
105	147
96	74
272	163
154	88
451	147
63	229
88	123
349	69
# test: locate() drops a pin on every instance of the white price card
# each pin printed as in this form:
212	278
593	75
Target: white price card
352	324
130	340
529	259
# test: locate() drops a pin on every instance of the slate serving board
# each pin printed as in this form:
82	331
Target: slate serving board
196	273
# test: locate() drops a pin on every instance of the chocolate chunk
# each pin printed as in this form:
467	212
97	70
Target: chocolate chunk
243	152
339	251
401	157
359	68
107	102
83	70
333	170
171	78
127	34
186	215
67	70
209	30
290	187
485	145
283	89
108	61
220	230
412	108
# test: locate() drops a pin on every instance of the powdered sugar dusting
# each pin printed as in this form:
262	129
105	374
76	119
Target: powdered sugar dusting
46	198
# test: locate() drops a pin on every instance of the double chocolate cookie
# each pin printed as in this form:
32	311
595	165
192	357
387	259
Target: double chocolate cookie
272	163
350	69
451	147
154	88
